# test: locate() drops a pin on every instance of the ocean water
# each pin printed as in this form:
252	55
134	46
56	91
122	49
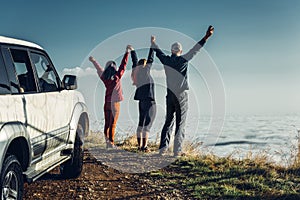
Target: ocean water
272	136
241	136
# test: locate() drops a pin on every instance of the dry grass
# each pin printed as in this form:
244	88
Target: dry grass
94	139
192	149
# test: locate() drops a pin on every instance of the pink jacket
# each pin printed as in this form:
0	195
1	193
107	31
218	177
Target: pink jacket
113	86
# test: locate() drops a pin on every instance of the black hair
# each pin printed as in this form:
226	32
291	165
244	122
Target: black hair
142	62
110	70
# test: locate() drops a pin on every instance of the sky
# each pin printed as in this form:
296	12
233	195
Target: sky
255	46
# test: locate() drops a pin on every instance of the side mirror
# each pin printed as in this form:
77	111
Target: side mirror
70	82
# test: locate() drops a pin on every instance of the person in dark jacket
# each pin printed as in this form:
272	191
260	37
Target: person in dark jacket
144	93
175	67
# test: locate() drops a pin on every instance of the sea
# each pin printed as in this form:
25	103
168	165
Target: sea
274	138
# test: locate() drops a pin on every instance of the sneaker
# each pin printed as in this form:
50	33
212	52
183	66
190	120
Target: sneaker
146	149
163	151
179	154
114	147
139	149
108	144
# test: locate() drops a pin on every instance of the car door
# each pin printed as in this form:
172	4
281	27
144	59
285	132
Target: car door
59	103
10	103
34	103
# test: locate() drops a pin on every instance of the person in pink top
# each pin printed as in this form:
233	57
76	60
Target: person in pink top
111	77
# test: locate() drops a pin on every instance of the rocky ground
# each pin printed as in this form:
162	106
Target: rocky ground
126	173
99	181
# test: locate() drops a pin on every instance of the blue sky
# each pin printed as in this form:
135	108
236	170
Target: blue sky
256	43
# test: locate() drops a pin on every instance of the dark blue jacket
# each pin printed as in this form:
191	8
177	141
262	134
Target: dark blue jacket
145	83
176	67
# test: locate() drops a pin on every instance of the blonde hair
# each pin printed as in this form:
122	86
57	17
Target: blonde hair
142	62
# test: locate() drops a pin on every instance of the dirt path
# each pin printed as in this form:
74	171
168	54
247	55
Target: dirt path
98	181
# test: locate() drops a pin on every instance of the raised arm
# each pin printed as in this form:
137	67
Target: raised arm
193	51
161	56
124	62
134	68
134	58
150	58
96	65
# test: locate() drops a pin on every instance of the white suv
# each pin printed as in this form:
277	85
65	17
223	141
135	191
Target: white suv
43	120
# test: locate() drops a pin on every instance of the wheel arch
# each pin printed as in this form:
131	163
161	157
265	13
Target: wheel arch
79	115
14	140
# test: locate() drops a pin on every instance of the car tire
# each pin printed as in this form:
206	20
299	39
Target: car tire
73	167
12	182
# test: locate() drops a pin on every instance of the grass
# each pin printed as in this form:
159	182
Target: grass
200	176
210	177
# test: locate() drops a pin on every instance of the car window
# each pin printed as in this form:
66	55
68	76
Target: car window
4	84
14	83
24	70
46	75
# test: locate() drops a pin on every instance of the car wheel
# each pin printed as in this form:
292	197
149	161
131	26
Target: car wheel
11	179
73	167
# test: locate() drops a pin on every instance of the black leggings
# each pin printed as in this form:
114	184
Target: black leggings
147	112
